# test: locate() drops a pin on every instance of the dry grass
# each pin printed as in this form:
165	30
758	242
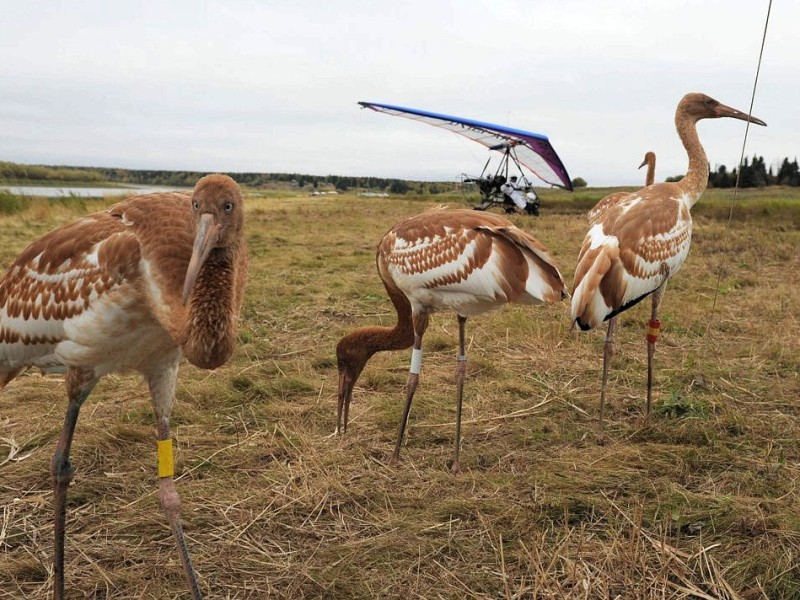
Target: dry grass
702	503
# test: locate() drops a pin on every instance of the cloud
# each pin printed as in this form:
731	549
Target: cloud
273	86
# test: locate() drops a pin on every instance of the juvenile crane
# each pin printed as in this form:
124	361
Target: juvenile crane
641	240
650	161
132	288
460	261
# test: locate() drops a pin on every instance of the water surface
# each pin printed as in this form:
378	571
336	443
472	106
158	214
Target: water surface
85	192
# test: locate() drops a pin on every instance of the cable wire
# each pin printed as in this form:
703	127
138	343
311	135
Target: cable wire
741	162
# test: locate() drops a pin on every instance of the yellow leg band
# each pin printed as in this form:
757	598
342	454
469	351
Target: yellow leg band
166	465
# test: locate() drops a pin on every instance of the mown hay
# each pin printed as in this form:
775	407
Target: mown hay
700	503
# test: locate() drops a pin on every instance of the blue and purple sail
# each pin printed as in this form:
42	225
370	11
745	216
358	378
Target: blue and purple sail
531	149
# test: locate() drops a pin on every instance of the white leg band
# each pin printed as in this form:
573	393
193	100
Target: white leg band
416	360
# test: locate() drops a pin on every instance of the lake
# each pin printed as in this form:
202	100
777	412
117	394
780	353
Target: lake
85	192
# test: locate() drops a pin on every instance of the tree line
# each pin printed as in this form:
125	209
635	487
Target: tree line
10	171
255	180
754	173
16	172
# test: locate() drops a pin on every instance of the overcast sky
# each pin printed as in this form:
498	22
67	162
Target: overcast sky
272	85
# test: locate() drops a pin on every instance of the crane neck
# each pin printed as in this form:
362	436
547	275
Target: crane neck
696	179
401	336
379	339
210	334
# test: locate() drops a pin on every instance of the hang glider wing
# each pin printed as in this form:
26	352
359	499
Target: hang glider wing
531	149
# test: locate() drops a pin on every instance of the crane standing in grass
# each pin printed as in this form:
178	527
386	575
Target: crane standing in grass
457	261
131	288
641	239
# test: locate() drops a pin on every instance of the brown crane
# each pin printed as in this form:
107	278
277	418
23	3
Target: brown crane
458	261
641	239
133	288
650	161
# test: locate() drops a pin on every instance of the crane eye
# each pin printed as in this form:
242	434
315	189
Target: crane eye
195	204
228	207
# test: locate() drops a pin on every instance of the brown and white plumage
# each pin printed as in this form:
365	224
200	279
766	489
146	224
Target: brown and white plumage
597	211
641	239
131	288
459	261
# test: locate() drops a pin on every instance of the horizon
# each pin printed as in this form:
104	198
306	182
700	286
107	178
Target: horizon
241	87
537	184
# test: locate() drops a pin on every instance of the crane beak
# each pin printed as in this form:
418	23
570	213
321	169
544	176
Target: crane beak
346	384
204	241
644	162
727	111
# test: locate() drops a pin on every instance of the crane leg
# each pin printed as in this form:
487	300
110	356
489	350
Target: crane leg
411	387
461	373
162	388
79	386
608	352
420	325
652	336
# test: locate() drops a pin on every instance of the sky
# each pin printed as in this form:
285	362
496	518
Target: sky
273	85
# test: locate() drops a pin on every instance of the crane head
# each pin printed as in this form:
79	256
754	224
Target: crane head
352	353
700	106
218	219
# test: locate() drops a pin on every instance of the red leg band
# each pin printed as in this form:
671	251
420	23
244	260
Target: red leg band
653	327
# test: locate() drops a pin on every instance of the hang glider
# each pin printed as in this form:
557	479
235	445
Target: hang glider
527	148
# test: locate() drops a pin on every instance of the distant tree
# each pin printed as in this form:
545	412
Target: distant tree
579	182
788	173
721	178
674	178
399	187
750	175
759	171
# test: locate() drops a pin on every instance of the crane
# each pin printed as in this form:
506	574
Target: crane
132	288
458	261
641	239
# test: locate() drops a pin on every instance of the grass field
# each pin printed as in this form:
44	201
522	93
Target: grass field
701	503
